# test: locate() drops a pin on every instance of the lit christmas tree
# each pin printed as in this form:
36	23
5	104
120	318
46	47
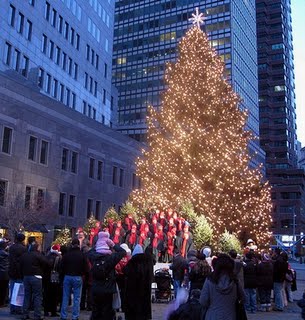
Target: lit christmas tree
198	147
64	237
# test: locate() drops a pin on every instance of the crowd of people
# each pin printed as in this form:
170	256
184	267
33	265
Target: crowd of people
112	269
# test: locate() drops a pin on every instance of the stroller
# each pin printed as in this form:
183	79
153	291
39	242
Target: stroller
163	291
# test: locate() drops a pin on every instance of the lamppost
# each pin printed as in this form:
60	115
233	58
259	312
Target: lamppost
293	234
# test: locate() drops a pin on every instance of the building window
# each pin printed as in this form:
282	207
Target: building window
16	60
27	200
97	58
74	160
3	187
55	88
105	70
121	180
64	159
95	88
48	84
86	80
60	24
44	152
88	52
134	180
104	96
77	41
61	93
70	64
32	2
51	49
89	111
71	205
66	30
68	97
40	78
40	198
111	103
32	148
75	71
57	55
97	209
89	208
99	170
73	100
64	61
12	15
7	53
54	17
44	43
62	204
20	26
72	35
28	30
47	9
91	167
25	66
7	140
94	113
114	175
84	107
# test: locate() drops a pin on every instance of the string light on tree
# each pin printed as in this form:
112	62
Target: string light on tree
198	147
197	18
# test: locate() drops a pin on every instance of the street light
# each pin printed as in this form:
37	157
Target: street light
293	234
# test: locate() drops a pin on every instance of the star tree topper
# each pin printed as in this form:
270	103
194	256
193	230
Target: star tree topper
198	18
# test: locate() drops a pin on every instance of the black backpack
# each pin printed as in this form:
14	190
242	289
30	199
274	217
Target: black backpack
101	269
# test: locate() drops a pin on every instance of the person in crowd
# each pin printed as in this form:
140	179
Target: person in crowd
118	234
51	287
191	310
184	242
198	272
207	251
4	278
238	267
138	272
179	267
33	265
171	236
120	276
132	237
250	282
162	243
103	261
15	251
301	304
280	268
265	282
289	277
221	290
73	267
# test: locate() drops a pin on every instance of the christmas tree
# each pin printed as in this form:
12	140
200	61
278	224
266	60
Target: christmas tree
198	147
64	237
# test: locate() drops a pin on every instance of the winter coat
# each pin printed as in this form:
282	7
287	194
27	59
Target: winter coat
265	275
74	263
33	263
250	277
198	273
15	252
107	285
191	310
139	276
4	264
179	266
219	298
239	271
280	267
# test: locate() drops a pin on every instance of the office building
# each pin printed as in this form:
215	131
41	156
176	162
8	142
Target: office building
146	36
277	110
65	48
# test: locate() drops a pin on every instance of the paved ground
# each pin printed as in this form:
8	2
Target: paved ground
291	312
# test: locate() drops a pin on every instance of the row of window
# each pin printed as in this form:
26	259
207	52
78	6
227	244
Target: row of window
15	59
56	54
90	112
74	8
62	26
23	25
100	11
56	89
90	84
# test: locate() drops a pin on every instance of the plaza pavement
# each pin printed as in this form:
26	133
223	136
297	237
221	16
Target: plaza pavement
291	312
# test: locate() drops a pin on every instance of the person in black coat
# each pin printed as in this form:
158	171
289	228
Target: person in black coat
250	281
4	263
33	265
179	267
104	282
265	282
138	286
15	251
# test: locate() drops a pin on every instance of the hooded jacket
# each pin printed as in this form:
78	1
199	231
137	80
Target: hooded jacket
219	298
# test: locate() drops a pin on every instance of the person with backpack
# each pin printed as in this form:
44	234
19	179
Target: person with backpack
198	271
103	261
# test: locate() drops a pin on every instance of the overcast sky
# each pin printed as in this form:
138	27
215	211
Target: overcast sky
298	31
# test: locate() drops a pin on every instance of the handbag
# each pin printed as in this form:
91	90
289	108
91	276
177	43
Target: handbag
116	300
54	277
239	306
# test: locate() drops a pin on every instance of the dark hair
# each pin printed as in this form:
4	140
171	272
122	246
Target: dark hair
224	264
284	255
250	255
75	242
233	253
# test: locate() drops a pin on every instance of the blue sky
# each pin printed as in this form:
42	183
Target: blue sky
298	31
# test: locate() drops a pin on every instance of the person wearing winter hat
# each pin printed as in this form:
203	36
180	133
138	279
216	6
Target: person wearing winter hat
51	287
104	243
15	252
103	259
139	275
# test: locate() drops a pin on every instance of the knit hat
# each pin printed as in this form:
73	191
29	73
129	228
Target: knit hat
137	250
104	243
126	248
206	251
250	241
55	248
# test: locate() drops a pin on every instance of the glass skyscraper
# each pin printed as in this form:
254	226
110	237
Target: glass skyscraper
277	111
146	37
65	48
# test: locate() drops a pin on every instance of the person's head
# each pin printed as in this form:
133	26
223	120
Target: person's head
224	264
250	255
55	248
284	256
126	248
104	243
195	294
3	244
75	243
137	250
206	251
233	253
31	239
119	224
20	237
